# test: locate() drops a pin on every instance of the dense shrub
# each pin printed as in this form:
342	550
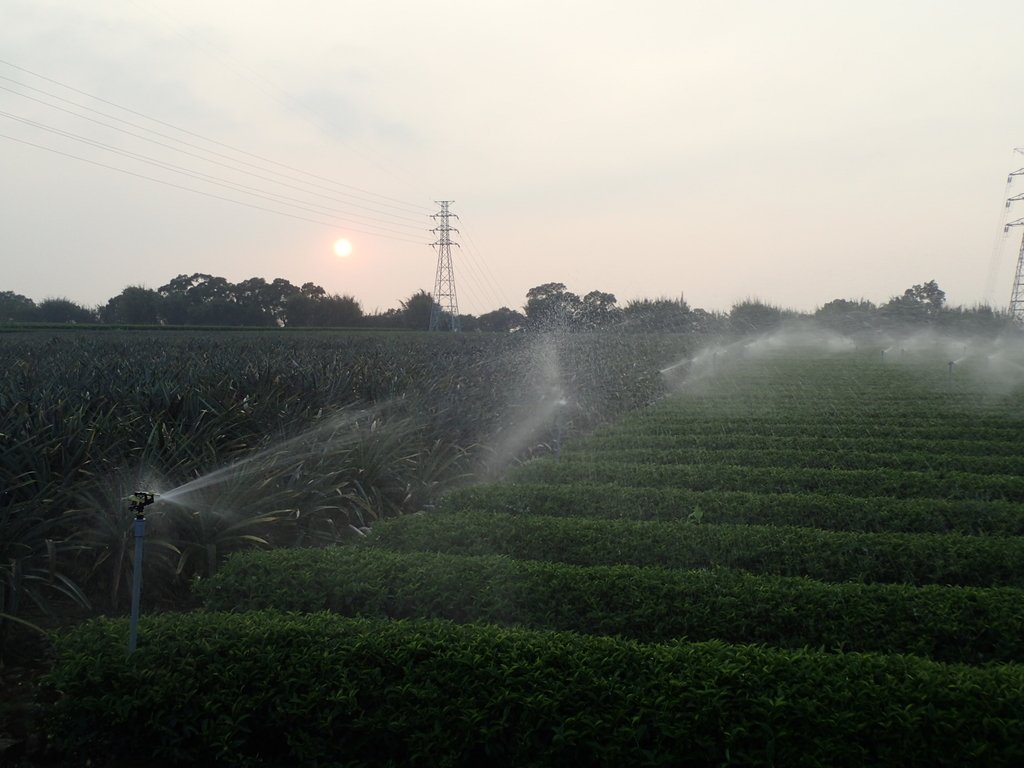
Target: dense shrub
623	435
916	558
807	457
650	604
804	426
583	468
273	689
813	510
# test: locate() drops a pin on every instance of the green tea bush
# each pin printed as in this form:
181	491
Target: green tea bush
583	468
834	512
808	458
272	689
666	423
650	604
623	435
909	558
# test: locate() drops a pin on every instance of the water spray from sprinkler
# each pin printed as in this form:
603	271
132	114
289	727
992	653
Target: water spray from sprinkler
560	417
672	367
137	504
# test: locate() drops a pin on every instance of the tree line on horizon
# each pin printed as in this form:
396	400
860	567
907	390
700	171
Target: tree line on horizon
206	300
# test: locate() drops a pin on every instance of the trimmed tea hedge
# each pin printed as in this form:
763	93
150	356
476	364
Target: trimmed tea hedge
581	468
272	689
662	423
621	436
806	458
829	511
910	558
650	604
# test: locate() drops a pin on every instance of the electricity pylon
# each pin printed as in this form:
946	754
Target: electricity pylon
444	314
1017	295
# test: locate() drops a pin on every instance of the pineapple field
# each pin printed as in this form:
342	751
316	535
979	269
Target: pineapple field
259	440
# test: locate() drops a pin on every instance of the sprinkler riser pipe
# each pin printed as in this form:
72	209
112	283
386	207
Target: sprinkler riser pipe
139	528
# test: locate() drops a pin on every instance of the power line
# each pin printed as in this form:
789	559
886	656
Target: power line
416	207
275	92
471	270
332	225
194	146
209	179
220	181
498	296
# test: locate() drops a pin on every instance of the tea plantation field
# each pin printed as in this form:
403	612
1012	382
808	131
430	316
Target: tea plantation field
798	558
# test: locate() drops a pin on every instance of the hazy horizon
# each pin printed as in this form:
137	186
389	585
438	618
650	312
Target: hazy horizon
793	153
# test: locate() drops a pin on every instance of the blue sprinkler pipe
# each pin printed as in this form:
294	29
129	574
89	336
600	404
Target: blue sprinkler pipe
137	503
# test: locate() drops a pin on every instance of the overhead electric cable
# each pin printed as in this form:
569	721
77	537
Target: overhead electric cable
332	225
215	180
275	92
194	146
488	274
469	268
415	206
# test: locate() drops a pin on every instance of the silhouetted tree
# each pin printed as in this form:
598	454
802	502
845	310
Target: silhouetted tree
928	294
847	316
15	308
702	321
300	311
201	299
61	310
753	316
658	315
174	309
312	290
199	287
220	311
337	312
921	303
551	306
259	302
598	310
135	305
416	311
979	319
502	320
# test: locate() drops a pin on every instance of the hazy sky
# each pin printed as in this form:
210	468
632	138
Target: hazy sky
791	151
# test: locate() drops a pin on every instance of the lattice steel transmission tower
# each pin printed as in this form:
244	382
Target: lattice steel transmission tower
1017	295
444	315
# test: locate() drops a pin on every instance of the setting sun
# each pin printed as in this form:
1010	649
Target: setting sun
342	247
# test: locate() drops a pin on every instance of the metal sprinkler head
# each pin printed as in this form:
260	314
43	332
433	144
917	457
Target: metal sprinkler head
138	502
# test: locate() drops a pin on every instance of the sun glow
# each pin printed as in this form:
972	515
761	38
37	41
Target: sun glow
342	247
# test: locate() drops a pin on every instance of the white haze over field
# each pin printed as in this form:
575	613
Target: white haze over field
993	363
